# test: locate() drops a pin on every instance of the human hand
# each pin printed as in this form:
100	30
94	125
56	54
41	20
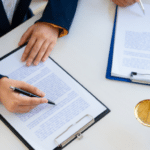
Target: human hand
124	3
16	103
42	38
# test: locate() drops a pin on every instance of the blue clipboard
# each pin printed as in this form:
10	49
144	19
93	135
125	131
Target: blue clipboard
110	58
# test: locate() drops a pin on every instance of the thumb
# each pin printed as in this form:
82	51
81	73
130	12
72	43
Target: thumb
26	36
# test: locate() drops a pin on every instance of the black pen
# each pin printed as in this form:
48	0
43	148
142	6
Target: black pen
28	94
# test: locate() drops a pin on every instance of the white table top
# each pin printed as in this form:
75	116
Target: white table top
86	48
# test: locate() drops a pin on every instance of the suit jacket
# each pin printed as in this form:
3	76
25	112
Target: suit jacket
57	12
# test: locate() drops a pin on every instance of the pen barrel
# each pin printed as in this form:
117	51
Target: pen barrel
30	94
25	93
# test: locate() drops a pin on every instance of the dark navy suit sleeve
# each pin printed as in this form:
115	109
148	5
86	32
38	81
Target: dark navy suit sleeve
60	12
1	76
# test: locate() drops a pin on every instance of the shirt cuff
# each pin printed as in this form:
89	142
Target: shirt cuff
62	31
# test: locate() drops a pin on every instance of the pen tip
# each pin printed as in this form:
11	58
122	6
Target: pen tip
50	102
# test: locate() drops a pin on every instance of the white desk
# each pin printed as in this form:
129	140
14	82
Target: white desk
84	54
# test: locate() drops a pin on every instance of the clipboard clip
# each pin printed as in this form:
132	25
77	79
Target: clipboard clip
140	78
77	134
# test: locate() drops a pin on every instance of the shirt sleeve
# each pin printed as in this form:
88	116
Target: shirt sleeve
62	31
60	14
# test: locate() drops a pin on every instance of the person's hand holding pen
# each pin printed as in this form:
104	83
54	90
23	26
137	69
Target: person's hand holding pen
124	3
16	103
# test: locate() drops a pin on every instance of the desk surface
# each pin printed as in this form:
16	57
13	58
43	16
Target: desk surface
86	48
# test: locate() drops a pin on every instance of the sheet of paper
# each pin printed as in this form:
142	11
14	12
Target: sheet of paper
132	41
44	123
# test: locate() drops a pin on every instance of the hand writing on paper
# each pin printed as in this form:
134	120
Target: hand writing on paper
124	3
16	103
42	38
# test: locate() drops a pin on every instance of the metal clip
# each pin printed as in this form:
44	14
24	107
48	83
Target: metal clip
140	78
76	134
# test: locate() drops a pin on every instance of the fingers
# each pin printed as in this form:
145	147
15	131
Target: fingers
24	104
28	48
30	101
50	48
119	3
43	38
12	100
30	88
25	109
38	44
130	2
124	3
41	53
26	36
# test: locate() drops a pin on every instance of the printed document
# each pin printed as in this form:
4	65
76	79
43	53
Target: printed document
132	41
45	122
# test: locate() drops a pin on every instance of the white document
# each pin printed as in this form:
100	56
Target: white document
44	123
132	41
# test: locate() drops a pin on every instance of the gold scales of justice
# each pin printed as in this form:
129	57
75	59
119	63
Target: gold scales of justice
142	112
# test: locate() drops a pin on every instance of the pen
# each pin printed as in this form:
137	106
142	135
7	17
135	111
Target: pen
28	94
142	7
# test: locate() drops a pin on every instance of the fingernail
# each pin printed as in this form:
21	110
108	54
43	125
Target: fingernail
44	100
36	63
41	93
28	63
44	59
